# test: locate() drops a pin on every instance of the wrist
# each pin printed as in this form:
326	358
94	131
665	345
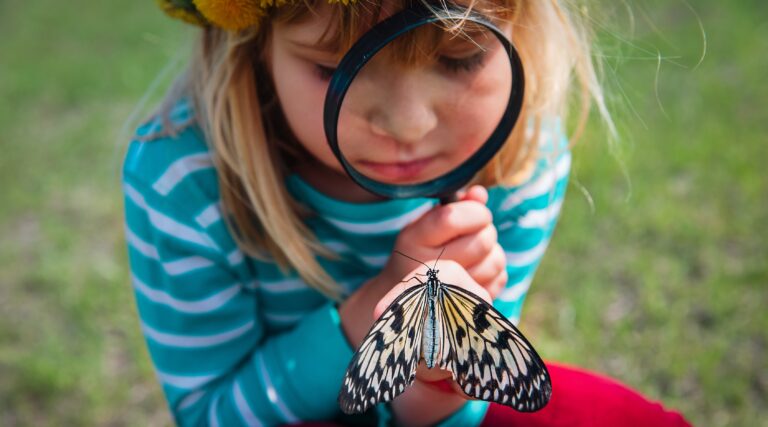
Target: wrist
356	312
425	404
444	386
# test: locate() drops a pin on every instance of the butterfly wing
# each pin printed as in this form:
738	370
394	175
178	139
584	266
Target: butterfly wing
489	357
385	364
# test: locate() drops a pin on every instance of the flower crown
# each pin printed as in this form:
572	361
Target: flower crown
226	14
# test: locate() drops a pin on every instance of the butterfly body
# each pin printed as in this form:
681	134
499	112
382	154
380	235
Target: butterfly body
452	329
430	343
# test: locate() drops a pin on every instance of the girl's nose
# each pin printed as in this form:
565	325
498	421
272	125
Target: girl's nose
404	110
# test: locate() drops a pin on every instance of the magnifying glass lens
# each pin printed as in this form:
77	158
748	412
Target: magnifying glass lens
417	107
424	104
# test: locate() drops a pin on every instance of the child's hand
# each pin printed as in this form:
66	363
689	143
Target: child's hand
465	230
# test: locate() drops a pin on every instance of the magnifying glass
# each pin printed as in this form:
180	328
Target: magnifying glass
423	126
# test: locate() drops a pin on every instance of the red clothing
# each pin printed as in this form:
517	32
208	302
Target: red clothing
582	398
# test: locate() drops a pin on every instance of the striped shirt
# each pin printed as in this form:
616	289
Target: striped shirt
237	341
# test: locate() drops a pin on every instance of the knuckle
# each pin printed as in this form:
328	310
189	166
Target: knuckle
498	251
484	244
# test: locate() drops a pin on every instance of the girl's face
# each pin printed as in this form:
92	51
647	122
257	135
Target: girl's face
399	123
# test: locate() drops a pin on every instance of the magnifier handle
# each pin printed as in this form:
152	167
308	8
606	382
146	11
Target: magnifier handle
453	197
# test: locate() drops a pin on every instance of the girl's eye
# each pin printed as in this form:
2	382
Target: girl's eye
467	64
324	72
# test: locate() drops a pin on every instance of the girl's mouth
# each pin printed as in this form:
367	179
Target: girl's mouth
396	172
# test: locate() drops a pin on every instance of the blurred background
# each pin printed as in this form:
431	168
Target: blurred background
657	274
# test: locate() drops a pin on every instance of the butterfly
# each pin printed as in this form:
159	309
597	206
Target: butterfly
453	329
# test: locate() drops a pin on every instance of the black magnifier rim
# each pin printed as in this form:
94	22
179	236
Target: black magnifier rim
366	48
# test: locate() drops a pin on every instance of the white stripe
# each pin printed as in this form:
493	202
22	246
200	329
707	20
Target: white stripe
190	400
204	305
185	265
188	382
173	268
235	257
336	246
394	224
375	260
140	245
167	224
370	260
514	292
525	258
348	286
209	215
542	185
243	407
540	218
281	286
272	393
179	170
213	416
195	341
179	114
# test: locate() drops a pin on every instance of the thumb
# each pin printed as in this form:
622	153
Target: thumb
476	193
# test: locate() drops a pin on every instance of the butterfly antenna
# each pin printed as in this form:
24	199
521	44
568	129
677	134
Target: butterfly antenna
411	258
438	257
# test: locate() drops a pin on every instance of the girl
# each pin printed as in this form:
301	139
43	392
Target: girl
259	266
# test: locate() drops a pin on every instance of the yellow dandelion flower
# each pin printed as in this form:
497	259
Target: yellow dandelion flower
231	14
226	14
179	11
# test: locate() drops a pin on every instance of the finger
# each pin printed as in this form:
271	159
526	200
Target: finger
477	193
445	223
457	388
453	273
487	271
497	284
471	249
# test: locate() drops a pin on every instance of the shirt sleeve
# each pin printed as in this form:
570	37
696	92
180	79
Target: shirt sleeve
525	217
203	324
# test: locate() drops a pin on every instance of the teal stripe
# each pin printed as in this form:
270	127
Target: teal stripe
520	240
193	363
512	309
164	319
291	303
519	274
218	300
203	180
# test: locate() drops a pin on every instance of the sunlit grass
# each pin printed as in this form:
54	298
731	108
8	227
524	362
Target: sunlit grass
661	282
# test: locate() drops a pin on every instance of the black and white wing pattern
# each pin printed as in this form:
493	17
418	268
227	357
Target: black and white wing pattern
489	357
385	364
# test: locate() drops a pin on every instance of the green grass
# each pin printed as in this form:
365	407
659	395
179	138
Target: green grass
660	283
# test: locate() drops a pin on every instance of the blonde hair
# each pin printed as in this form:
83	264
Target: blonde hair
252	144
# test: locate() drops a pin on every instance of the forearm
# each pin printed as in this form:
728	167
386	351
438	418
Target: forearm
280	381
